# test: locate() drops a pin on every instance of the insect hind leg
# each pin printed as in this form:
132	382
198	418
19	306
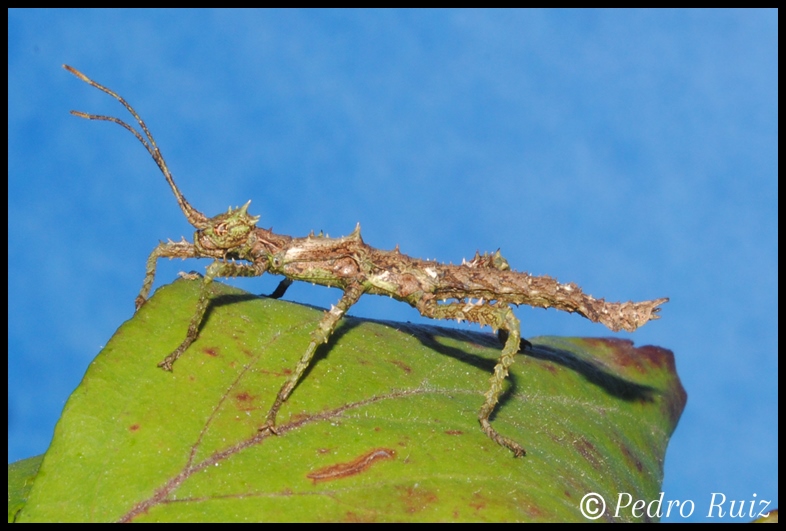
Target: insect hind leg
510	324
499	316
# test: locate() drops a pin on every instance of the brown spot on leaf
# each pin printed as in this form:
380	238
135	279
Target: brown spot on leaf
632	459
454	432
213	353
299	417
588	451
643	359
646	359
478	502
416	499
355	518
403	366
351	468
133	427
244	401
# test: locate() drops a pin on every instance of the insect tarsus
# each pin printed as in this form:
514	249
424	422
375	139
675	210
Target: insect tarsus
241	249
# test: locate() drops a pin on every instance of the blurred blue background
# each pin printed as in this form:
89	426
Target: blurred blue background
631	152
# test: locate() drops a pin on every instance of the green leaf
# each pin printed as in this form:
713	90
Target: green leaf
20	480
383	426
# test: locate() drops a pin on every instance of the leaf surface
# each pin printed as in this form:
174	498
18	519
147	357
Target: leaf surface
21	476
383	426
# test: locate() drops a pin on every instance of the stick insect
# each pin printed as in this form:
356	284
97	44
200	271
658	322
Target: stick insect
439	291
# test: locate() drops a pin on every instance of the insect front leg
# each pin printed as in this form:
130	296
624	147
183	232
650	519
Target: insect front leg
321	334
181	249
499	316
216	269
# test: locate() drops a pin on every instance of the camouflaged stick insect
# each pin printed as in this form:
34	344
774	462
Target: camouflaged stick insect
241	249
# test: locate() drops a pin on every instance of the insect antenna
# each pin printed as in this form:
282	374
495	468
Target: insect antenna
196	218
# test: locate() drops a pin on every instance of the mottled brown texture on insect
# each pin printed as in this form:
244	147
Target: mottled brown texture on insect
337	262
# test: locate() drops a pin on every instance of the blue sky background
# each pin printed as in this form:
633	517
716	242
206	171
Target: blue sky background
631	152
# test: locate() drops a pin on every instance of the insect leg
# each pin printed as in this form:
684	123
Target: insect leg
498	315
512	326
181	249
320	335
280	289
216	269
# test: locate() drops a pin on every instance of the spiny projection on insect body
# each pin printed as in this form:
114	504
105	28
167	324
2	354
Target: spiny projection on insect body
241	249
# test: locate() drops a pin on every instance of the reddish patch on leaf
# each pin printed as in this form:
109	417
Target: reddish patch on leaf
632	459
647	359
133	427
642	358
355	518
244	401
278	374
534	511
299	417
403	366
604	341
660	357
417	499
454	432
478	502
588	451
243	397
210	352
351	468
